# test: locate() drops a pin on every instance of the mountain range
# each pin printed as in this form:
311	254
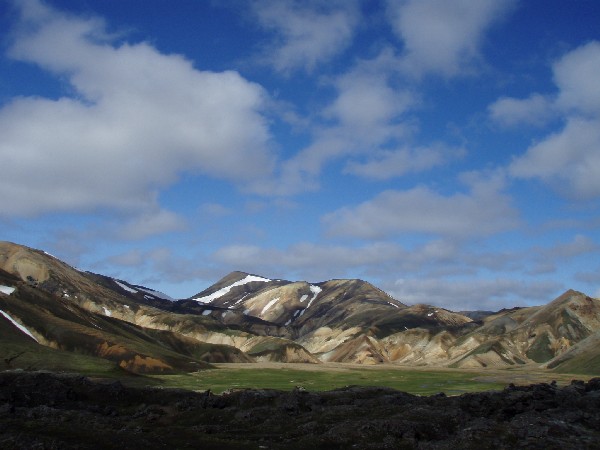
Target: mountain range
55	316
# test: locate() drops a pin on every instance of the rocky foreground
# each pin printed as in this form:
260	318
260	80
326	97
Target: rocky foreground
41	410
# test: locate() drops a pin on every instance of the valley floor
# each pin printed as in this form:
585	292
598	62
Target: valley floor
327	376
520	375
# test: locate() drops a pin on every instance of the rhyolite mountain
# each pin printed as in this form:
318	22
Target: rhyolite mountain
49	308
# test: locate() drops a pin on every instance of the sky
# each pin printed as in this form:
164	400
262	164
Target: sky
447	151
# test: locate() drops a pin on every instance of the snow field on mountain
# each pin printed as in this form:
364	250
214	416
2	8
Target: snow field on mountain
268	305
7	289
156	293
221	292
18	325
316	290
125	287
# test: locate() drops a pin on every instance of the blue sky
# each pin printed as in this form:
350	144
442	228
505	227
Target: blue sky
447	151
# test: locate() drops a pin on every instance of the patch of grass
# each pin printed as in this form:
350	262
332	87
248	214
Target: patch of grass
582	364
415	382
14	355
266	346
540	350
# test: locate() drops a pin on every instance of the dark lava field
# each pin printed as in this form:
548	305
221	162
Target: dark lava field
43	410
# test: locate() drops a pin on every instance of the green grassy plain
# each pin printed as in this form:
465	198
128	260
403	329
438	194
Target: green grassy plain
423	383
326	377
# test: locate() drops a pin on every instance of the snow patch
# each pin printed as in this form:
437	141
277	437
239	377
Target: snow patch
206	312
244	296
429	314
288	322
126	306
125	287
19	326
7	289
316	290
304	297
268	305
394	305
221	292
107	312
156	293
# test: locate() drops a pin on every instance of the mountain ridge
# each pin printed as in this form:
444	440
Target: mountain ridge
246	317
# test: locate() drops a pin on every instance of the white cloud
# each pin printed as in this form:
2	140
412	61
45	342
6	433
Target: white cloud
553	259
159	267
481	212
305	255
309	32
366	102
561	252
576	75
388	164
215	210
130	258
384	260
535	110
367	113
443	36
591	277
138	118
151	223
569	160
472	294
376	259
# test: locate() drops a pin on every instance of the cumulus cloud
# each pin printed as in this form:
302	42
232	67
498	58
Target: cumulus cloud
482	211
366	113
215	210
366	101
136	119
305	255
568	159
443	36
579	245
151	223
472	294
576	75
578	92
591	277
430	271
309	32
387	164
160	268
319	262
535	110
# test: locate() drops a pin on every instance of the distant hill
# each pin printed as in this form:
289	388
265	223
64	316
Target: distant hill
97	320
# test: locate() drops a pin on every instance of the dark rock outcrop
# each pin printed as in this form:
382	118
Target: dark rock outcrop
50	411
